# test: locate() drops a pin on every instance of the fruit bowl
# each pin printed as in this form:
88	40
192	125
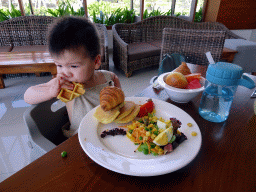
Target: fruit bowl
180	95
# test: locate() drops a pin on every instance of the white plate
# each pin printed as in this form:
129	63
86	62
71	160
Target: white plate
117	153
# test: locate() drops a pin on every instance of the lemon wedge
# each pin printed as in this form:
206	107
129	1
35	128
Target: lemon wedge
164	137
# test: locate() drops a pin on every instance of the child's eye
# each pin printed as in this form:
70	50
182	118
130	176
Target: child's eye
59	65
74	66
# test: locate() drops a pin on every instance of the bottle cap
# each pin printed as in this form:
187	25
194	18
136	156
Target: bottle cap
223	73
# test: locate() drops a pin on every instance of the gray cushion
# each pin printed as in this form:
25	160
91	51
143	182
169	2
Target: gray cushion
157	43
142	50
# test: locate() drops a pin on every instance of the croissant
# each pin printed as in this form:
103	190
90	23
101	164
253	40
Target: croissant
183	69
110	97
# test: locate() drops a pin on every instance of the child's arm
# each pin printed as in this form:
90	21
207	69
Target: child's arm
46	91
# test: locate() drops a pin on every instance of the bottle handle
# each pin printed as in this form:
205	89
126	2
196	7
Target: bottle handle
246	82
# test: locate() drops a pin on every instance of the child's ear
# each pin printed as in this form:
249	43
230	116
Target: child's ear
97	62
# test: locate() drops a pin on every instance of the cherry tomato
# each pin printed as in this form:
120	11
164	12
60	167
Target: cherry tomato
146	108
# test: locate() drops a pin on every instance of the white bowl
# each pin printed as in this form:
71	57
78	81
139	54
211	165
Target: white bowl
179	95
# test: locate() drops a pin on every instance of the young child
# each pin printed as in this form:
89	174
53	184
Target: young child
74	45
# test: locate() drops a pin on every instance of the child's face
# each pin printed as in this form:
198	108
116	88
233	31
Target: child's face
75	66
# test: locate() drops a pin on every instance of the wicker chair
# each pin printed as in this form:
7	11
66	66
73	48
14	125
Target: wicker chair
193	44
104	46
138	45
28	30
29	33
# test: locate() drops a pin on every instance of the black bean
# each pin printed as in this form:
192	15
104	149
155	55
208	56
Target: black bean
113	132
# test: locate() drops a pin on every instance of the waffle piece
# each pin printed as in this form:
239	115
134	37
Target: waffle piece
67	95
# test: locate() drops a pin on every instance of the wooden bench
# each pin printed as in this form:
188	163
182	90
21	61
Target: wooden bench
25	62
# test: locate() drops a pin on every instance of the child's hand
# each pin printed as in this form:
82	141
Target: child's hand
56	84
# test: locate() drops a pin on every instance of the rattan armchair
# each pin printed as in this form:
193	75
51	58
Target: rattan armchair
138	45
28	30
193	44
25	31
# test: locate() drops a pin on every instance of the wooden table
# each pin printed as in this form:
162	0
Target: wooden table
226	161
25	62
228	54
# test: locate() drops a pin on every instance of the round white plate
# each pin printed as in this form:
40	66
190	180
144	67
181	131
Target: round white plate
117	153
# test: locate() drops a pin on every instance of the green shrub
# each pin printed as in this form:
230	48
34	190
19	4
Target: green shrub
199	15
117	16
97	7
6	14
158	13
65	9
3	15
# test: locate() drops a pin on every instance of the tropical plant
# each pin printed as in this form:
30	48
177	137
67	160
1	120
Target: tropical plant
117	16
179	13
102	6
65	9
14	12
62	10
199	15
128	16
6	14
169	12
152	13
158	13
3	15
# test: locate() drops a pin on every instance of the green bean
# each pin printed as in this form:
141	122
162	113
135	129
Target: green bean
64	154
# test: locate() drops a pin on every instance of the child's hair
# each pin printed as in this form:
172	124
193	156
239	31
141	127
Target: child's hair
72	33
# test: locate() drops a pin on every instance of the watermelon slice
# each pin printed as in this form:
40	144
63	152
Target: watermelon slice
193	76
195	84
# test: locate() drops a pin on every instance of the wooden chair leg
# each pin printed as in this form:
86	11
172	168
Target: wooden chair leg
2	86
53	75
37	74
129	74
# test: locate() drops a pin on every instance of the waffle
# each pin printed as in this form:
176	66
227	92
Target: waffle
67	95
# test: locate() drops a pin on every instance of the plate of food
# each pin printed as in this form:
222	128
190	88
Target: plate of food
140	137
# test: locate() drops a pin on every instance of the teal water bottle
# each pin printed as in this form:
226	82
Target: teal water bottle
222	80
